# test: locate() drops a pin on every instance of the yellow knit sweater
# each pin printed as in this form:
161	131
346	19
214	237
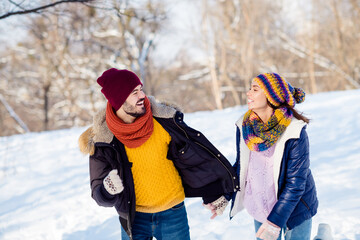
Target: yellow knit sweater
158	184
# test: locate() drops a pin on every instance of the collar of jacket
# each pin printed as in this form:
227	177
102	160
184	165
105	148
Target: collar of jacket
99	131
293	131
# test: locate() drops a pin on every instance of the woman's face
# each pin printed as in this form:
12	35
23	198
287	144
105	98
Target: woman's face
256	98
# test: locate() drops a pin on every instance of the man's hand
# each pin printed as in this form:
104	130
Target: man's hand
217	207
112	183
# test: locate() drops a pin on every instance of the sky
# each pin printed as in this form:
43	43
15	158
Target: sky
181	31
45	189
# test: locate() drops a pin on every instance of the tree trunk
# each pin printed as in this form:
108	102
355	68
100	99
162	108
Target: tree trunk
46	106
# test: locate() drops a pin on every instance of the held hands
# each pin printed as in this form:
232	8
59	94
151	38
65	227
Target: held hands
268	231
217	207
112	183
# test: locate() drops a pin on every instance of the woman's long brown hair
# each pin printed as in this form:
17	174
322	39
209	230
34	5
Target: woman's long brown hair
296	114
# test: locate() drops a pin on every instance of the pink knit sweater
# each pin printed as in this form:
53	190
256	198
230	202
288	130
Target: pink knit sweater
260	195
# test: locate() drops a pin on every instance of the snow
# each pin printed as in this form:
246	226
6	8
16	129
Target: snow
45	190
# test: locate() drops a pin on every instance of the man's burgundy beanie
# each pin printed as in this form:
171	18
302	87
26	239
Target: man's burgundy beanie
117	85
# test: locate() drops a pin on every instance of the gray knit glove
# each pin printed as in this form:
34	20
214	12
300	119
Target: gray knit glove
113	183
217	207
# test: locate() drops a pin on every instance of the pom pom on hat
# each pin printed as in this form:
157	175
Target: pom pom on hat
117	85
299	95
277	90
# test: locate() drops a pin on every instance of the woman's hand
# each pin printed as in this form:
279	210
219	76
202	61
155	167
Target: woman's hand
268	231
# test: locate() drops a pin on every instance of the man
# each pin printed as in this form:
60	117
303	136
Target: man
144	160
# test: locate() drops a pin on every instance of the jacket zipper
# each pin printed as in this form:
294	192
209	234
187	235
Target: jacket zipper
180	128
129	226
128	216
303	201
286	231
232	177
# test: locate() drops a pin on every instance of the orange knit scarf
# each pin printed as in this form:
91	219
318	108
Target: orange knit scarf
134	134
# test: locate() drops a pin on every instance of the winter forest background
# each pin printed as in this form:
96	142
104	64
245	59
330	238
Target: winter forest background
199	54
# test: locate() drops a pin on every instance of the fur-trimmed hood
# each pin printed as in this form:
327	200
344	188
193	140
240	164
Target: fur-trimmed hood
99	131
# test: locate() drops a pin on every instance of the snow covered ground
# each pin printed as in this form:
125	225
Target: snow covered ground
45	190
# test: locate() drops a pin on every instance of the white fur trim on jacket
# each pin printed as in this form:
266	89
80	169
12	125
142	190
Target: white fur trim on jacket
99	131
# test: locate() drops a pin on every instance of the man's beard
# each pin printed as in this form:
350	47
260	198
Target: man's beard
128	109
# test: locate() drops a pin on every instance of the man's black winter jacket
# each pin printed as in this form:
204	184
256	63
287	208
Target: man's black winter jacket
204	171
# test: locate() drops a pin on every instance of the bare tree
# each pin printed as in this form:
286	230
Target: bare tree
329	45
234	35
21	9
63	54
49	77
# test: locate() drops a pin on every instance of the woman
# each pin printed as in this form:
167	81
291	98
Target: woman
276	185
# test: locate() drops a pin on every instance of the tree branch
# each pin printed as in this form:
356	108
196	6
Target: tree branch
295	48
35	10
13	114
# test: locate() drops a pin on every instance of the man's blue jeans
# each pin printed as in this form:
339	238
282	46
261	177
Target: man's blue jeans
300	232
171	224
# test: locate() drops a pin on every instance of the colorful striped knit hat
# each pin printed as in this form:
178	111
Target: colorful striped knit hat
277	90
